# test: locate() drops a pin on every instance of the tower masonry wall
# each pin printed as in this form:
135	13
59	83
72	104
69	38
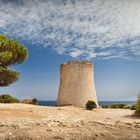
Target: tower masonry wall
76	84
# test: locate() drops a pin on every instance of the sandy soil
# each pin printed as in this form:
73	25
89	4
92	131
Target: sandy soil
29	122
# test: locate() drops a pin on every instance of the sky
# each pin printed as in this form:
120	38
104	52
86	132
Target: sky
106	32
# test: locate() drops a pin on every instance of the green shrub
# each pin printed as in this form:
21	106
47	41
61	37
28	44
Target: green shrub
114	106
105	106
90	105
30	101
133	107
6	98
118	105
124	106
127	107
34	101
138	107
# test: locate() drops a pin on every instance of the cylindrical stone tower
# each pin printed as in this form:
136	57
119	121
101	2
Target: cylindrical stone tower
76	84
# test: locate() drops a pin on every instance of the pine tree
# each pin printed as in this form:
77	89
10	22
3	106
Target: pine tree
11	52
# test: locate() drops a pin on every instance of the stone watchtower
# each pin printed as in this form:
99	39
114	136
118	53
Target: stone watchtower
76	84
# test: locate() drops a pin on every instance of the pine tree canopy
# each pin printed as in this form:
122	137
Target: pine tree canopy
11	52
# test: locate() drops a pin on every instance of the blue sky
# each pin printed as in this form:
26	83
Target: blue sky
56	31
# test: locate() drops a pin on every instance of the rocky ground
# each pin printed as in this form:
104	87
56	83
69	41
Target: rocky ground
30	122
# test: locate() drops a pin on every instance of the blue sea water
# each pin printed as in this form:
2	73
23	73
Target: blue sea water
53	103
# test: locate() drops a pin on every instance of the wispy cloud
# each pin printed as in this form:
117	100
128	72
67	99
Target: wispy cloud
92	28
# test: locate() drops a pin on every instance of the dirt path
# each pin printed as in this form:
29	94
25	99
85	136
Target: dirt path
29	122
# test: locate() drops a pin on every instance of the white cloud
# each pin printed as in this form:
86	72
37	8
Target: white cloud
92	28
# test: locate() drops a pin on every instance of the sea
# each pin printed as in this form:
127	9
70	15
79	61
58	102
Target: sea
53	103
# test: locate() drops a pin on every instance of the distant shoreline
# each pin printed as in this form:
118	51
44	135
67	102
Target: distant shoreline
53	103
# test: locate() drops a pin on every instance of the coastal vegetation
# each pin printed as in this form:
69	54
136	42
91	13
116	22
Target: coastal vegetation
123	106
6	98
30	101
90	105
133	107
137	112
12	52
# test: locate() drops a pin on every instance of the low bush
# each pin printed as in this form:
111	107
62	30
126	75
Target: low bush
105	106
133	107
127	107
114	106
30	101
118	105
137	112
90	105
123	106
34	101
6	98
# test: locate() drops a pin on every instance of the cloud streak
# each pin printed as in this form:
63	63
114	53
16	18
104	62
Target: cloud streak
101	29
